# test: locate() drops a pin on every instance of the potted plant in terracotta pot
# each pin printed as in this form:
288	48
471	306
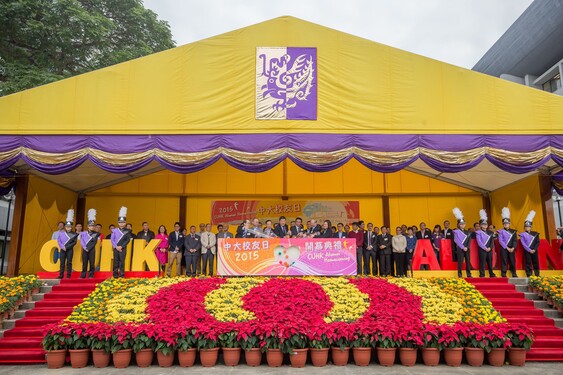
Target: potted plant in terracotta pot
100	337
250	343
296	345
475	342
361	345
452	340
207	344
229	343
386	343
497	343
521	339
319	345
431	345
78	345
186	346
165	341
410	339
143	345
340	335
121	345
55	344
271	344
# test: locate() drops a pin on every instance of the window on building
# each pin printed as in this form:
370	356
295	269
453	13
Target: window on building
553	84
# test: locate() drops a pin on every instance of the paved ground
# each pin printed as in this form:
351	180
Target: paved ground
553	368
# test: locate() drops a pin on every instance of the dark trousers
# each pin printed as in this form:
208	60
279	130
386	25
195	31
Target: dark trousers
485	258
385	263
531	261
359	259
65	258
392	264
88	258
119	263
508	260
207	259
400	263
461	256
370	256
192	263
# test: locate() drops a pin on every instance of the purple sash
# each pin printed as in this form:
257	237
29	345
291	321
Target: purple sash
482	238
526	239
84	239
459	238
63	239
116	236
504	237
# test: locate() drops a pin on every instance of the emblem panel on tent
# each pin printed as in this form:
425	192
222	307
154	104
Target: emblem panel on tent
286	83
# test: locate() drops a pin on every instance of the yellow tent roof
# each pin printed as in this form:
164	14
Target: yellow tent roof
209	87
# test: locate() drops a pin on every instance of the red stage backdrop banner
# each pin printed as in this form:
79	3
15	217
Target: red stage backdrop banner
234	212
286	256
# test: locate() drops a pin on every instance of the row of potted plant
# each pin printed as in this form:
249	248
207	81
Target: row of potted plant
14	291
550	288
122	340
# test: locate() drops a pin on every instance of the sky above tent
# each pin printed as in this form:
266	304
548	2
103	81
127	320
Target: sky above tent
458	32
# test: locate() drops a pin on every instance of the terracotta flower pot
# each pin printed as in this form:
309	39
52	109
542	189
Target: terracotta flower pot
496	357
475	356
253	357
517	356
407	356
144	357
361	356
339	357
208	357
165	360
319	357
431	356
79	357
56	358
231	356
100	358
298	358
386	356
122	358
274	357
187	358
453	356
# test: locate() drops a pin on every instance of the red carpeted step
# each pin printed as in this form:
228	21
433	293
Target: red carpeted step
548	342
532	321
67	295
502	294
20	342
547	331
59	303
482	280
81	281
509	302
22	356
24	332
494	287
39	321
44	311
520	312
544	355
73	287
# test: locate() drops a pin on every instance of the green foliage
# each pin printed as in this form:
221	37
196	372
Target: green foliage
43	41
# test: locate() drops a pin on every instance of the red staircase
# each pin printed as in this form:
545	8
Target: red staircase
516	308
21	345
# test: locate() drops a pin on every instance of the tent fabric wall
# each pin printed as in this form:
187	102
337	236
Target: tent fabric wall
520	197
46	205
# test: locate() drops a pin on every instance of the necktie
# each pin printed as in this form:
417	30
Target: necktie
369	238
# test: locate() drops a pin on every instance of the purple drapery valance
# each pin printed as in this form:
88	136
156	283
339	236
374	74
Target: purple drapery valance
314	152
557	182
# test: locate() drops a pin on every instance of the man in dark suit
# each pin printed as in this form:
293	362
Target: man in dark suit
175	251
192	245
370	251
146	234
423	234
244	230
281	229
314	229
297	230
340	233
448	234
384	245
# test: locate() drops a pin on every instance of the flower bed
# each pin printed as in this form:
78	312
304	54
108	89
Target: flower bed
549	287
14	289
285	313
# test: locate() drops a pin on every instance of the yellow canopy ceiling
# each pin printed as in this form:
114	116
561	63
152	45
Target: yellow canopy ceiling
209	87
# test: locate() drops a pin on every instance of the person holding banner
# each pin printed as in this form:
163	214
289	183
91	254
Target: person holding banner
485	242
88	241
507	240
530	241
281	229
326	231
120	238
314	229
340	231
297	230
244	231
462	238
66	240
